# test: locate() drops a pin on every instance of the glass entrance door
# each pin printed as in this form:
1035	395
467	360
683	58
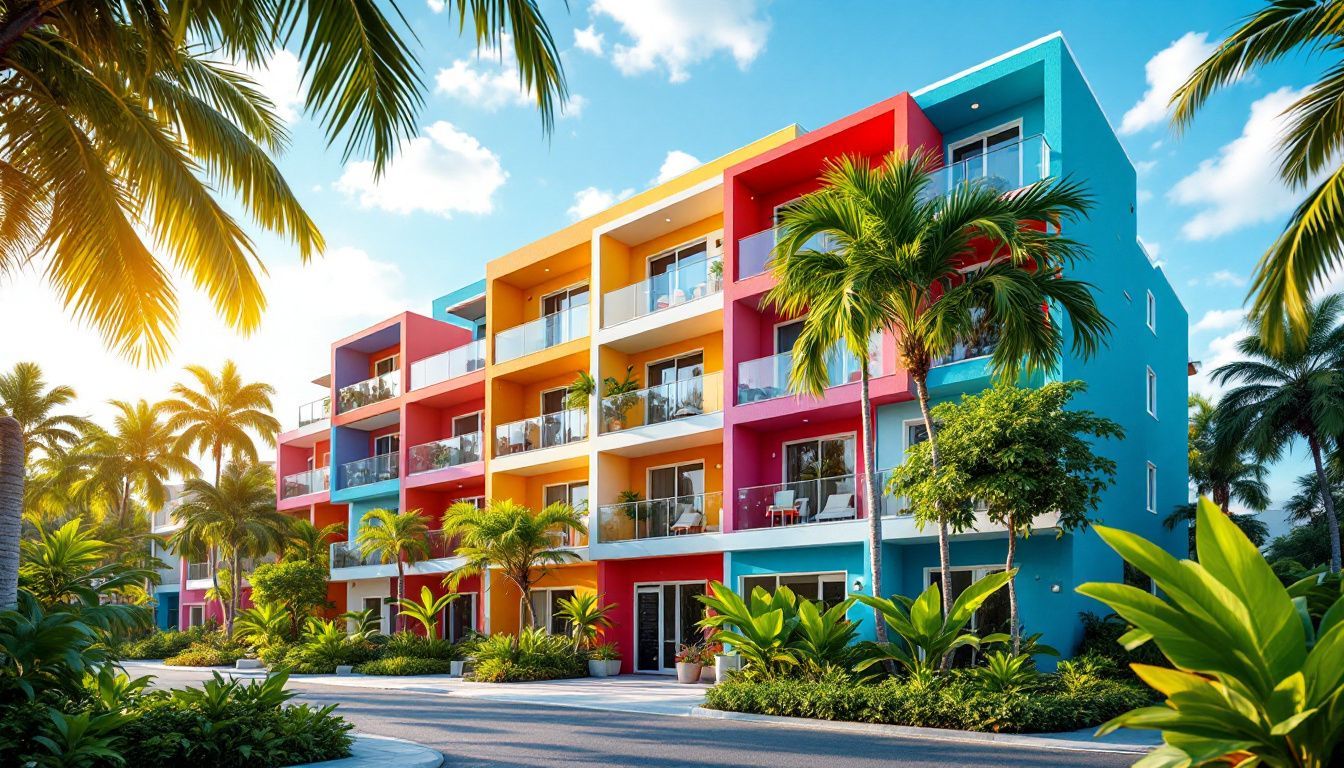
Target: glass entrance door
665	619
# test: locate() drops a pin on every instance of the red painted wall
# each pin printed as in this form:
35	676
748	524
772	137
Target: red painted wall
616	580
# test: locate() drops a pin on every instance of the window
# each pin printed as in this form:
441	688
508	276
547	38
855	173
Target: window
195	615
459	618
1152	393
573	494
467	424
385	444
385	365
1151	313
994	156
1150	495
993	614
545	606
375	604
829	588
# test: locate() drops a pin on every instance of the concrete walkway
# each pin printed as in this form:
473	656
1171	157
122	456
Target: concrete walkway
371	751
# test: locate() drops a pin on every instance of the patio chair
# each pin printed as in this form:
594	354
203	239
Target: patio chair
689	521
838	506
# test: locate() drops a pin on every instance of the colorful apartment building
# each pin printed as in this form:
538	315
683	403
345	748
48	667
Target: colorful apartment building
703	467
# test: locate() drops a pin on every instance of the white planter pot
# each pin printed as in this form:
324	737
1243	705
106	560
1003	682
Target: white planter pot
345	669
725	663
707	674
597	668
455	668
613	667
688	672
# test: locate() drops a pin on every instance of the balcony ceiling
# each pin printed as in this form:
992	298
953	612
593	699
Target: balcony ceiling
380	339
998	95
654	222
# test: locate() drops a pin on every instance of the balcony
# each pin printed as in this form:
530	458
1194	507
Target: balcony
345	554
318	410
371	470
806	502
441	454
767	378
198	571
368	392
544	431
662	403
660	518
448	365
439	547
687	282
1004	168
543	333
980	343
306	482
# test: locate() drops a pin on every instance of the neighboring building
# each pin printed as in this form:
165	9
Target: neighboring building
737	480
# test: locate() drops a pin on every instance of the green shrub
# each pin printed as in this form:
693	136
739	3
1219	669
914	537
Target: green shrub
161	645
956	701
324	647
533	655
411	645
274	655
203	655
1101	637
404	665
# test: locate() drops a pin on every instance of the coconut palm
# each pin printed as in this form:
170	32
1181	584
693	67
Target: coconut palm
25	396
137	457
308	543
1290	391
1307	505
1307	250
894	262
1220	470
394	538
222	415
131	124
510	537
11	509
235	517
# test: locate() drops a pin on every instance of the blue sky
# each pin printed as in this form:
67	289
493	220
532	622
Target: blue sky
668	82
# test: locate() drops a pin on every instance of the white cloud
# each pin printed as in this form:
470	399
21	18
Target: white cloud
1165	72
1153	249
1144	196
675	164
1220	351
280	79
437	6
675	34
1142	167
1226	277
1241	186
591	200
574	106
589	40
443	171
290	348
489	81
1218	320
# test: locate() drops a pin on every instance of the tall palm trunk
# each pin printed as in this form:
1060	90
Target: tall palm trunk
944	549
525	616
235	586
12	466
212	562
1328	501
870	497
401	594
1013	630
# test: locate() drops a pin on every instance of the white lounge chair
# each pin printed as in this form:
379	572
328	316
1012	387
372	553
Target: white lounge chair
838	506
689	521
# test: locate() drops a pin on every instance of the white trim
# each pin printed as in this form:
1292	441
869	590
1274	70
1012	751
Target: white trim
394	437
395	357
981	136
673	249
844	579
1150	313
648	476
1150	488
573	591
1150	391
634	625
774	334
905	434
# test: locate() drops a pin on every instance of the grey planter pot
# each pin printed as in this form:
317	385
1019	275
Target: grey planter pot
455	668
613	667
725	663
688	673
597	668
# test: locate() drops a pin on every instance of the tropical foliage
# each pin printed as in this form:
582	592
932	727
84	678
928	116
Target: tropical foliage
222	415
24	394
298	588
587	616
394	538
426	610
779	634
531	655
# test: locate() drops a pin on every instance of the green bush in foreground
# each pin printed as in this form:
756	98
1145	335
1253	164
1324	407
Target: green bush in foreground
533	655
404	665
203	655
411	645
957	700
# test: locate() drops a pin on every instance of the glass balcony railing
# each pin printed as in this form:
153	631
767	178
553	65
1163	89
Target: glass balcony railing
371	470
569	537
1004	168
541	432
441	454
754	251
315	411
439	546
198	571
979	344
689	281
664	402
345	554
447	365
659	518
369	391
306	482
767	378
807	501
543	333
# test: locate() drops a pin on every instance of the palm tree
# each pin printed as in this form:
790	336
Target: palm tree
235	517
139	456
394	538
1221	471
25	396
125	118
11	509
1290	391
894	263
510	537
222	415
1304	254
308	543
1307	506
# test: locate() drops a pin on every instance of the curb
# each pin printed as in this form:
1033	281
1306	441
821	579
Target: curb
932	734
369	750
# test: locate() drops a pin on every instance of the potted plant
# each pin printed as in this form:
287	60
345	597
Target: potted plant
579	392
632	504
618	397
708	661
688	663
726	664
604	660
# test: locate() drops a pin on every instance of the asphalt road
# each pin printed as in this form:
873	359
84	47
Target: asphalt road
474	732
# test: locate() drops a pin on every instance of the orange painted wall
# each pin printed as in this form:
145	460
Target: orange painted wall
637	265
504	597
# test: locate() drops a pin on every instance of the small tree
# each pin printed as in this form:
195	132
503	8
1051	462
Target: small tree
394	538
297	586
1021	454
426	610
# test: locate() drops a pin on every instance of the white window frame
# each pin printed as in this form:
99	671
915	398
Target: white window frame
1150	391
1150	488
784	453
981	570
820	575
634	620
195	608
536	620
480	421
396	364
392	437
648	260
980	138
1150	313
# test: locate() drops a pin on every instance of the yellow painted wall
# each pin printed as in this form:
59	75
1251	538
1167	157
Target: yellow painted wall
505	598
637	264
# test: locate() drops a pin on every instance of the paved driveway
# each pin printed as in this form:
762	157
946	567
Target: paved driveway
476	731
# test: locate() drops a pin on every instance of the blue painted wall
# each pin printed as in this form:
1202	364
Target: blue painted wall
851	558
165	611
465	293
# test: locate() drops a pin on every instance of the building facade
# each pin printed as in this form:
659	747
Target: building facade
698	465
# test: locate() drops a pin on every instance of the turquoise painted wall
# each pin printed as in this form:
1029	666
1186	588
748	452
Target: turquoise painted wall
851	558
